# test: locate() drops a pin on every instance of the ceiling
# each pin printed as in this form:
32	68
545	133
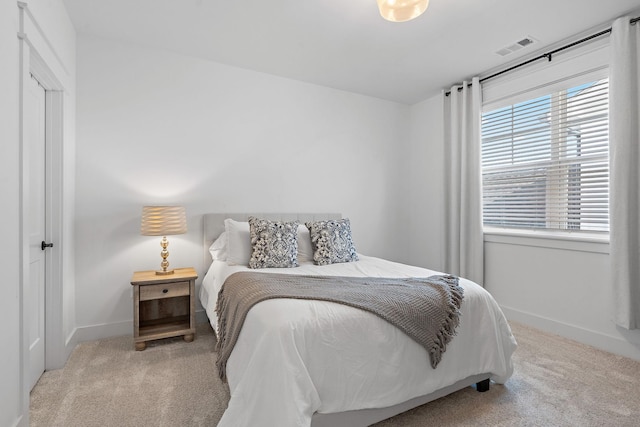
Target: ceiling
345	44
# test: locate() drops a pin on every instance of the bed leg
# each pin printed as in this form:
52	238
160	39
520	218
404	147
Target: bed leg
483	385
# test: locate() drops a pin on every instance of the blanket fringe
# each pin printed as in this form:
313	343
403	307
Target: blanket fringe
448	329
221	364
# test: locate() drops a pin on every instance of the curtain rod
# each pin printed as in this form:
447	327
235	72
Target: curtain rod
548	55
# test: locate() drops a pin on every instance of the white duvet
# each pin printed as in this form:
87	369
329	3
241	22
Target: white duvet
297	357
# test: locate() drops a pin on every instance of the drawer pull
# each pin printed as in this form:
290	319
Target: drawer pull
164	291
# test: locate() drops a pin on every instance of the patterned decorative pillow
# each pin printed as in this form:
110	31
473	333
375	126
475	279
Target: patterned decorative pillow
274	244
331	241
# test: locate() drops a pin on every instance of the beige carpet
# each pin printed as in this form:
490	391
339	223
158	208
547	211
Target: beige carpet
557	382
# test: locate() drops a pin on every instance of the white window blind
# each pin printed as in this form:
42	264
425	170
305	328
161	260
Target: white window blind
545	161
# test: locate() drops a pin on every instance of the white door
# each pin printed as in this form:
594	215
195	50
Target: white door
34	108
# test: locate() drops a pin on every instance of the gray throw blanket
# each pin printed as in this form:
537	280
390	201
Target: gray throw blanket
427	310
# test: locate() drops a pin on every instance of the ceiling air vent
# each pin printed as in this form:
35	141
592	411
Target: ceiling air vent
526	41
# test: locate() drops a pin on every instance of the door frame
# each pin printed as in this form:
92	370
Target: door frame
53	210
38	57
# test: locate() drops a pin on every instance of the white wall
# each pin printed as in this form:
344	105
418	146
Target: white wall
58	32
156	127
424	188
562	290
11	397
559	287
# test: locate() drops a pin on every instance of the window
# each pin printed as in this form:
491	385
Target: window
545	161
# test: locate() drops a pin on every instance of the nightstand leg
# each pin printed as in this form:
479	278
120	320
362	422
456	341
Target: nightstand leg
188	337
141	346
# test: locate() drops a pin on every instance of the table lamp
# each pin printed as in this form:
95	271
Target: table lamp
163	221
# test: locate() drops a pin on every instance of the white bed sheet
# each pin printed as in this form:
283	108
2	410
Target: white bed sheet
296	357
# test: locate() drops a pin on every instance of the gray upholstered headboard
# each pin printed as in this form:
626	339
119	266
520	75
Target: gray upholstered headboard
214	224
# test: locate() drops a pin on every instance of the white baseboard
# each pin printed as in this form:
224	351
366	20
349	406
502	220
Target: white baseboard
201	317
105	330
612	344
22	421
70	343
108	330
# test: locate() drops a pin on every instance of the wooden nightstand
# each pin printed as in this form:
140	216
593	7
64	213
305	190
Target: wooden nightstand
163	306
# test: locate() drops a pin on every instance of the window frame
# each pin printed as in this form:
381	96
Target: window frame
576	68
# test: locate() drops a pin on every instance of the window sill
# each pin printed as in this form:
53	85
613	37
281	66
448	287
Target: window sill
583	242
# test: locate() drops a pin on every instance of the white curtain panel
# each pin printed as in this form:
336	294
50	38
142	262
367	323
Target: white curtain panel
463	240
624	193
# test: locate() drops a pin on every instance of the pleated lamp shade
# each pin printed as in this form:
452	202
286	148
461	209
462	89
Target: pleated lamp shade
163	220
402	10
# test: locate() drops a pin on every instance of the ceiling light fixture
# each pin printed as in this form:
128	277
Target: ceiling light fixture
402	10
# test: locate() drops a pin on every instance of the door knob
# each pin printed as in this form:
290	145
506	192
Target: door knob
44	245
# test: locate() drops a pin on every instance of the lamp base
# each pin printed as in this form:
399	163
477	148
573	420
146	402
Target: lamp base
164	272
165	262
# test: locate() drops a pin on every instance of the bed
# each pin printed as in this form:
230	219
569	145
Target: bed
318	363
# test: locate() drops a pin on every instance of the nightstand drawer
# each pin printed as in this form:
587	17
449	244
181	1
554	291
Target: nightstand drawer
164	290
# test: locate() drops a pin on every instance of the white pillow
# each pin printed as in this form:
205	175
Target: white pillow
238	242
218	248
305	251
